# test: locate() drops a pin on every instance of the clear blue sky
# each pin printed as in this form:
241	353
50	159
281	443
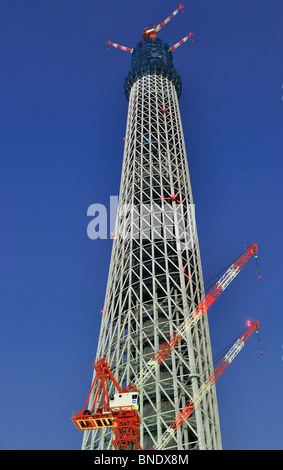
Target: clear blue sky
62	122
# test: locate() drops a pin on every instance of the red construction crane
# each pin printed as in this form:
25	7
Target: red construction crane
121	414
152	32
206	386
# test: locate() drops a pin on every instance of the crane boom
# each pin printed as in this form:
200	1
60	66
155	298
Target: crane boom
206	386
172	48
193	318
125	420
118	46
119	414
151	33
164	23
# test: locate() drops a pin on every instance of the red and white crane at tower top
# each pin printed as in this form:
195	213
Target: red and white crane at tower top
122	416
152	32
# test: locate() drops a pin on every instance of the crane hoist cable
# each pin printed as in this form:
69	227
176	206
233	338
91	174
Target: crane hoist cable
259	275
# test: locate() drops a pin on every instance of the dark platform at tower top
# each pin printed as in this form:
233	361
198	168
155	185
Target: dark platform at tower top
152	56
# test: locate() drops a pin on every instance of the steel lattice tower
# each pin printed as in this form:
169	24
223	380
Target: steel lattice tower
155	276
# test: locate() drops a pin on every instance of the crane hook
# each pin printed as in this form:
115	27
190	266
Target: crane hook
256	258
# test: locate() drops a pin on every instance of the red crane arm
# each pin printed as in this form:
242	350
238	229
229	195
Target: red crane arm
193	318
167	347
190	35
210	381
118	46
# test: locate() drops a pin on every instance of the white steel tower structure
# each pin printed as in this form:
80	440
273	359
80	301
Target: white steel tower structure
155	276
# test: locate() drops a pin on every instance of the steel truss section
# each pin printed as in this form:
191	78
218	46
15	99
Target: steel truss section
155	277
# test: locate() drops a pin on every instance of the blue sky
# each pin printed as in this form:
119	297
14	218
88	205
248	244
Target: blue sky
62	122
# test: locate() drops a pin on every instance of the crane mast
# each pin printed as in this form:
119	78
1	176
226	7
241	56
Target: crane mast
205	387
152	32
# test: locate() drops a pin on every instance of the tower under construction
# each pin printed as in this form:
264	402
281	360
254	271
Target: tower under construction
155	278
